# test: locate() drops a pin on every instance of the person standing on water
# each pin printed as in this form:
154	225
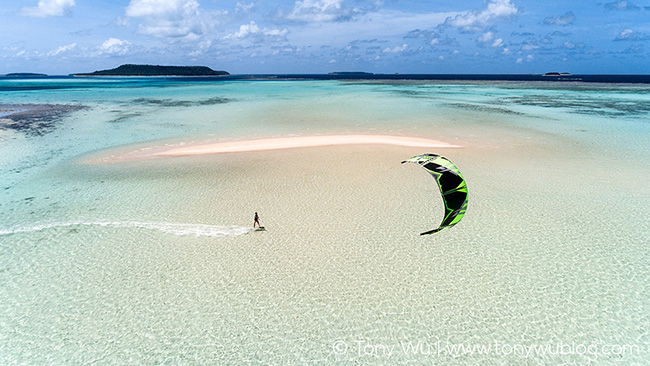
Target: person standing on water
257	220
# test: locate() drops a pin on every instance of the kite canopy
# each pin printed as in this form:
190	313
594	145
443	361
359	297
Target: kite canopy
451	184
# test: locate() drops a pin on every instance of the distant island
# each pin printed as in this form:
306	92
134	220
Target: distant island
24	74
555	73
350	73
156	70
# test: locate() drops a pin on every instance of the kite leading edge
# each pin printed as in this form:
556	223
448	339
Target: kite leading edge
451	184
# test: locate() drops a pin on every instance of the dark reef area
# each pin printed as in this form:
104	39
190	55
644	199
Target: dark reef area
34	119
156	70
180	103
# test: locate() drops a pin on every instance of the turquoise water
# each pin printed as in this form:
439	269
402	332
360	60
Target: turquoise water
152	262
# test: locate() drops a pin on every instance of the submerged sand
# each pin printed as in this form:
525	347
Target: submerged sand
341	260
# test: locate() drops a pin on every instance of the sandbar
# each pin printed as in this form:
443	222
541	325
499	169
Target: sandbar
265	144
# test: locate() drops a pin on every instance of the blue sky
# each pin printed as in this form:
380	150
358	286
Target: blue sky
320	36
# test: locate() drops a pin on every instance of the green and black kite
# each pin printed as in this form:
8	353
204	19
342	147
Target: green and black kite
451	184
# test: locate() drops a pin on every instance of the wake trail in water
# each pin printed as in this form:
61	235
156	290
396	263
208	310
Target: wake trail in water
166	227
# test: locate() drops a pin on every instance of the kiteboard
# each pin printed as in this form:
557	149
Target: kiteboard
261	228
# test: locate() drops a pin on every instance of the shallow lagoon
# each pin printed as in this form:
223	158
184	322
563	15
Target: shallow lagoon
151	262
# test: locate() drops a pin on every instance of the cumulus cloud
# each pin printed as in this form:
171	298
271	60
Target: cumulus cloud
246	30
48	8
113	47
630	35
478	20
522	34
434	38
286	50
252	30
318	10
168	18
635	49
245	7
396	49
326	10
529	58
571	45
529	47
564	19
621	5
559	34
62	49
529	44
488	38
418	33
497	43
143	8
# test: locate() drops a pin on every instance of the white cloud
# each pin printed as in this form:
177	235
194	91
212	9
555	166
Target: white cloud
169	18
488	37
635	49
321	11
565	19
252	30
114	47
529	47
144	8
245	30
631	35
621	5
529	58
62	49
286	50
385	24
275	32
396	49
244	7
477	20
48	8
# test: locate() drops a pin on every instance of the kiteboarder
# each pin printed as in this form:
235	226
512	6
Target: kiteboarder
256	221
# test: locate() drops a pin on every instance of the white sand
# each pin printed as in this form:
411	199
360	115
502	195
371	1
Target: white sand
302	141
270	144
